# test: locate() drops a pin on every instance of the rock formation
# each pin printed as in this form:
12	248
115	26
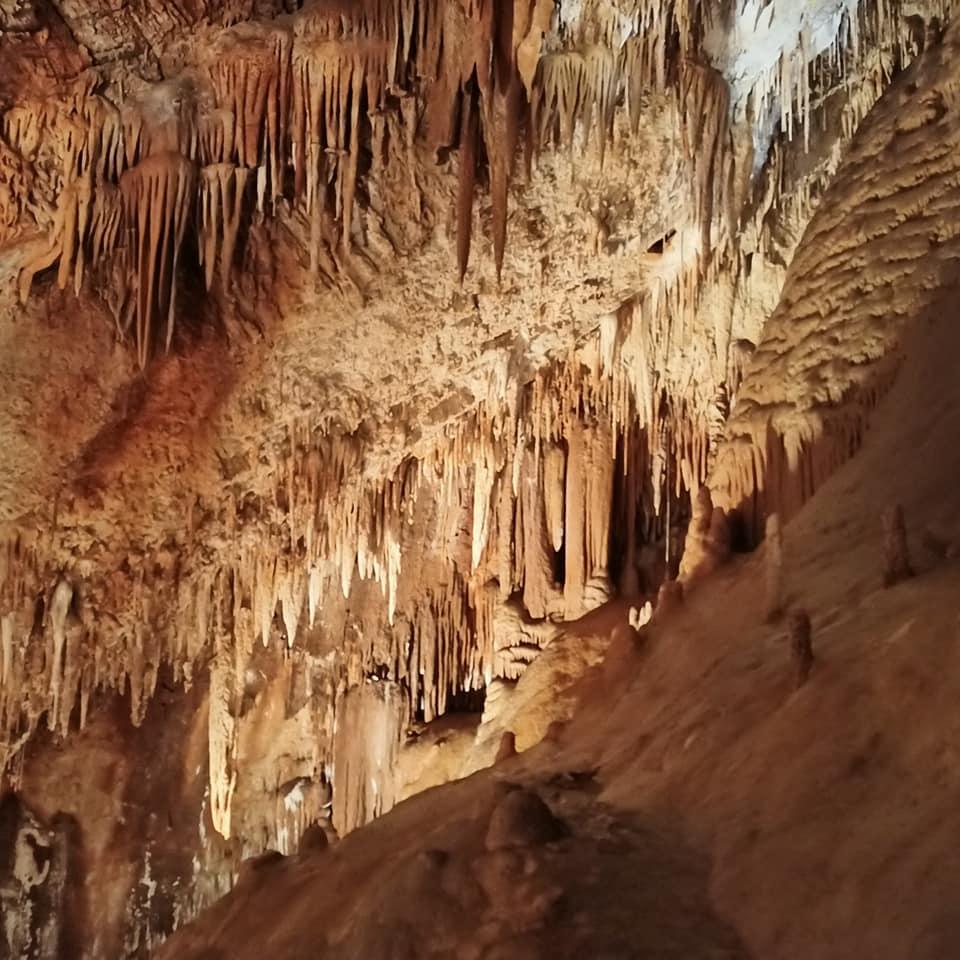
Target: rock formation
801	646
896	555
367	363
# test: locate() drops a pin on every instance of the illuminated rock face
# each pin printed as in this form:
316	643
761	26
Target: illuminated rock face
356	350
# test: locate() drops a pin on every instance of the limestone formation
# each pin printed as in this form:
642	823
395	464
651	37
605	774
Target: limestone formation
801	645
669	598
369	365
522	819
554	730
314	838
773	567
793	425
507	748
708	538
896	554
640	618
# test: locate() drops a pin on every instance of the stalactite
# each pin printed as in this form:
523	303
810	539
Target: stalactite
222	189
332	77
222	744
537	559
575	553
469	136
705	99
530	498
484	473
559	88
59	608
554	473
645	67
216	136
102	154
157	194
251	77
371	715
599	495
502	125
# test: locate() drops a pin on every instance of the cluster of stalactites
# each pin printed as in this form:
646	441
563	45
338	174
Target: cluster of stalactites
442	655
251	78
705	96
88	139
332	81
580	85
127	190
298	96
222	189
55	651
538	475
614	54
132	178
873	41
529	481
157	196
294	95
574	88
367	743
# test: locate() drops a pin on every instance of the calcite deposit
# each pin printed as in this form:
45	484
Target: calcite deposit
367	362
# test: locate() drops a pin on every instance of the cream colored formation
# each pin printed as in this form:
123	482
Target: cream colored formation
829	356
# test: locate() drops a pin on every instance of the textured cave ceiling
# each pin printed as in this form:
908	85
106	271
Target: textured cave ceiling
351	349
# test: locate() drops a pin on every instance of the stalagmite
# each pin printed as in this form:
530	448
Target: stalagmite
669	598
801	648
640	618
507	748
773	567
708	538
896	555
